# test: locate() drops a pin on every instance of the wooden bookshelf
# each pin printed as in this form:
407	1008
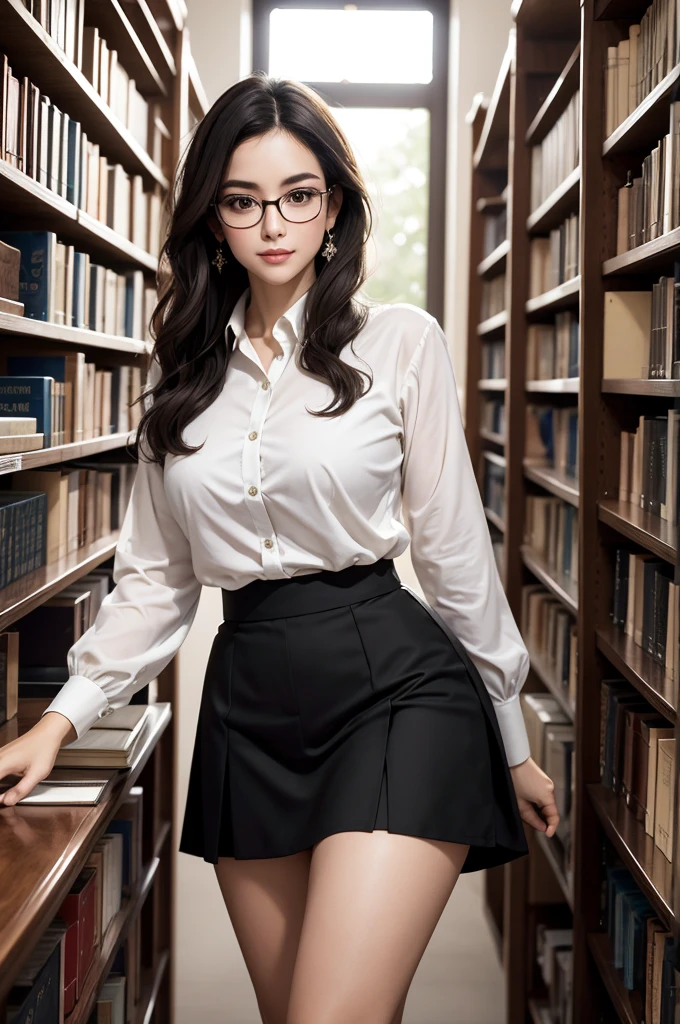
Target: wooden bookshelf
555	50
44	847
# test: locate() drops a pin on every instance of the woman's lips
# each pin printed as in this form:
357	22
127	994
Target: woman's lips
279	257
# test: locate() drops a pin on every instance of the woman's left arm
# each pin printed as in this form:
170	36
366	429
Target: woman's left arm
453	557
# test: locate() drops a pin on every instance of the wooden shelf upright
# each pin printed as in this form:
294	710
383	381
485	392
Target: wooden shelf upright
43	849
557	52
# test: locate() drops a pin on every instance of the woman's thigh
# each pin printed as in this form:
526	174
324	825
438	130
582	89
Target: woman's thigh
373	901
265	900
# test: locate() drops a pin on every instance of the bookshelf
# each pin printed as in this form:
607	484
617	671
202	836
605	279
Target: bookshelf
554	68
43	849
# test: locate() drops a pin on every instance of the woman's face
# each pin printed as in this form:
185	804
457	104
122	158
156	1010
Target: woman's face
267	167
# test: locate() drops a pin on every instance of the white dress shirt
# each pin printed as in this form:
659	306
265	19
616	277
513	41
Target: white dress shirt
275	492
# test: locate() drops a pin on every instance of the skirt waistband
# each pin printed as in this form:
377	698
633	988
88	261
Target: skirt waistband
311	592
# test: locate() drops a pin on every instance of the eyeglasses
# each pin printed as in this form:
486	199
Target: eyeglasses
297	206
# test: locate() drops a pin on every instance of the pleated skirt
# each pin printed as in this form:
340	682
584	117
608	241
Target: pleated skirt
341	701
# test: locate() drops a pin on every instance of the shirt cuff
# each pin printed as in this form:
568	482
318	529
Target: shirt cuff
82	701
513	730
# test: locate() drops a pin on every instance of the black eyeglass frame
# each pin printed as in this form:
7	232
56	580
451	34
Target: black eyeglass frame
264	203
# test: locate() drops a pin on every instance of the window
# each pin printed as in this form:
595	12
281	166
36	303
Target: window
383	69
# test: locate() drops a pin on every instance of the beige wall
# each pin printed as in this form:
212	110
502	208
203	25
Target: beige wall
208	964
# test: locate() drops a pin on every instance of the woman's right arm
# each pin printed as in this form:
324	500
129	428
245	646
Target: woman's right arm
138	629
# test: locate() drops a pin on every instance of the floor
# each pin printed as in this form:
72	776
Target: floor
459	980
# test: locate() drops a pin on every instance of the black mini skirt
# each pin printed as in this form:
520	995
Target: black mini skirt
341	701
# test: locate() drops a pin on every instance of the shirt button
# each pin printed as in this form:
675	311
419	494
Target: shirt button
252	490
265	385
252	435
280	356
269	543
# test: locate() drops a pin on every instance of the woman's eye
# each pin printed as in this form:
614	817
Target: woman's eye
238	202
300	195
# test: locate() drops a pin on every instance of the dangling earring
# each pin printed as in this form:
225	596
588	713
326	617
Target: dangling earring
220	260
329	250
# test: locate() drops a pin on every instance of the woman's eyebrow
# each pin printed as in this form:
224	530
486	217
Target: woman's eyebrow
292	180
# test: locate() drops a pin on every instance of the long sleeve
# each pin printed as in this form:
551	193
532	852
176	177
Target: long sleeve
451	548
143	621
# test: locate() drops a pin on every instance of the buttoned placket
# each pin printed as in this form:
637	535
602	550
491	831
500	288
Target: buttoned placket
252	457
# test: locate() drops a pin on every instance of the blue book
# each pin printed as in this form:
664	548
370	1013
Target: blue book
638	910
79	272
29	396
73	184
36	270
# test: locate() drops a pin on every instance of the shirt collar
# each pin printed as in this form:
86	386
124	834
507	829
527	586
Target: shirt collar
294	315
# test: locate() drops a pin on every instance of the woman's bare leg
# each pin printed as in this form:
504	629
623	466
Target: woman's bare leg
265	900
373	901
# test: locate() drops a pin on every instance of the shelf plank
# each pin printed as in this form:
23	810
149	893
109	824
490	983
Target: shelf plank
153	40
495	262
30	46
651	532
648	122
492	150
563	588
557	100
554	856
22	326
642	671
28	204
492	436
551	684
556	386
114	25
539	1011
561	486
653	388
63	453
563	296
557	206
486	203
492	384
650	256
495	457
34	588
52	845
494	518
622	1000
645	861
493	325
151	982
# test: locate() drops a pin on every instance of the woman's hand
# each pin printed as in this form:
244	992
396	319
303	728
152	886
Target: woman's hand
534	787
33	754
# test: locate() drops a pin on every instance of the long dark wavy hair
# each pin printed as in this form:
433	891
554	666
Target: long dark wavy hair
189	321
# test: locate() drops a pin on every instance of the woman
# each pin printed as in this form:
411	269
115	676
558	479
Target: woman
357	747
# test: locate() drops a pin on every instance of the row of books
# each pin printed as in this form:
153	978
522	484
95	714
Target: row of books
493	415
645	605
493	488
495	229
555	959
553	349
556	155
551	742
643	948
551	531
637	755
493	359
555	259
552	438
56	284
637	64
103	66
642	331
493	296
47	513
47	145
549	632
648	476
56	397
53	980
649	204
